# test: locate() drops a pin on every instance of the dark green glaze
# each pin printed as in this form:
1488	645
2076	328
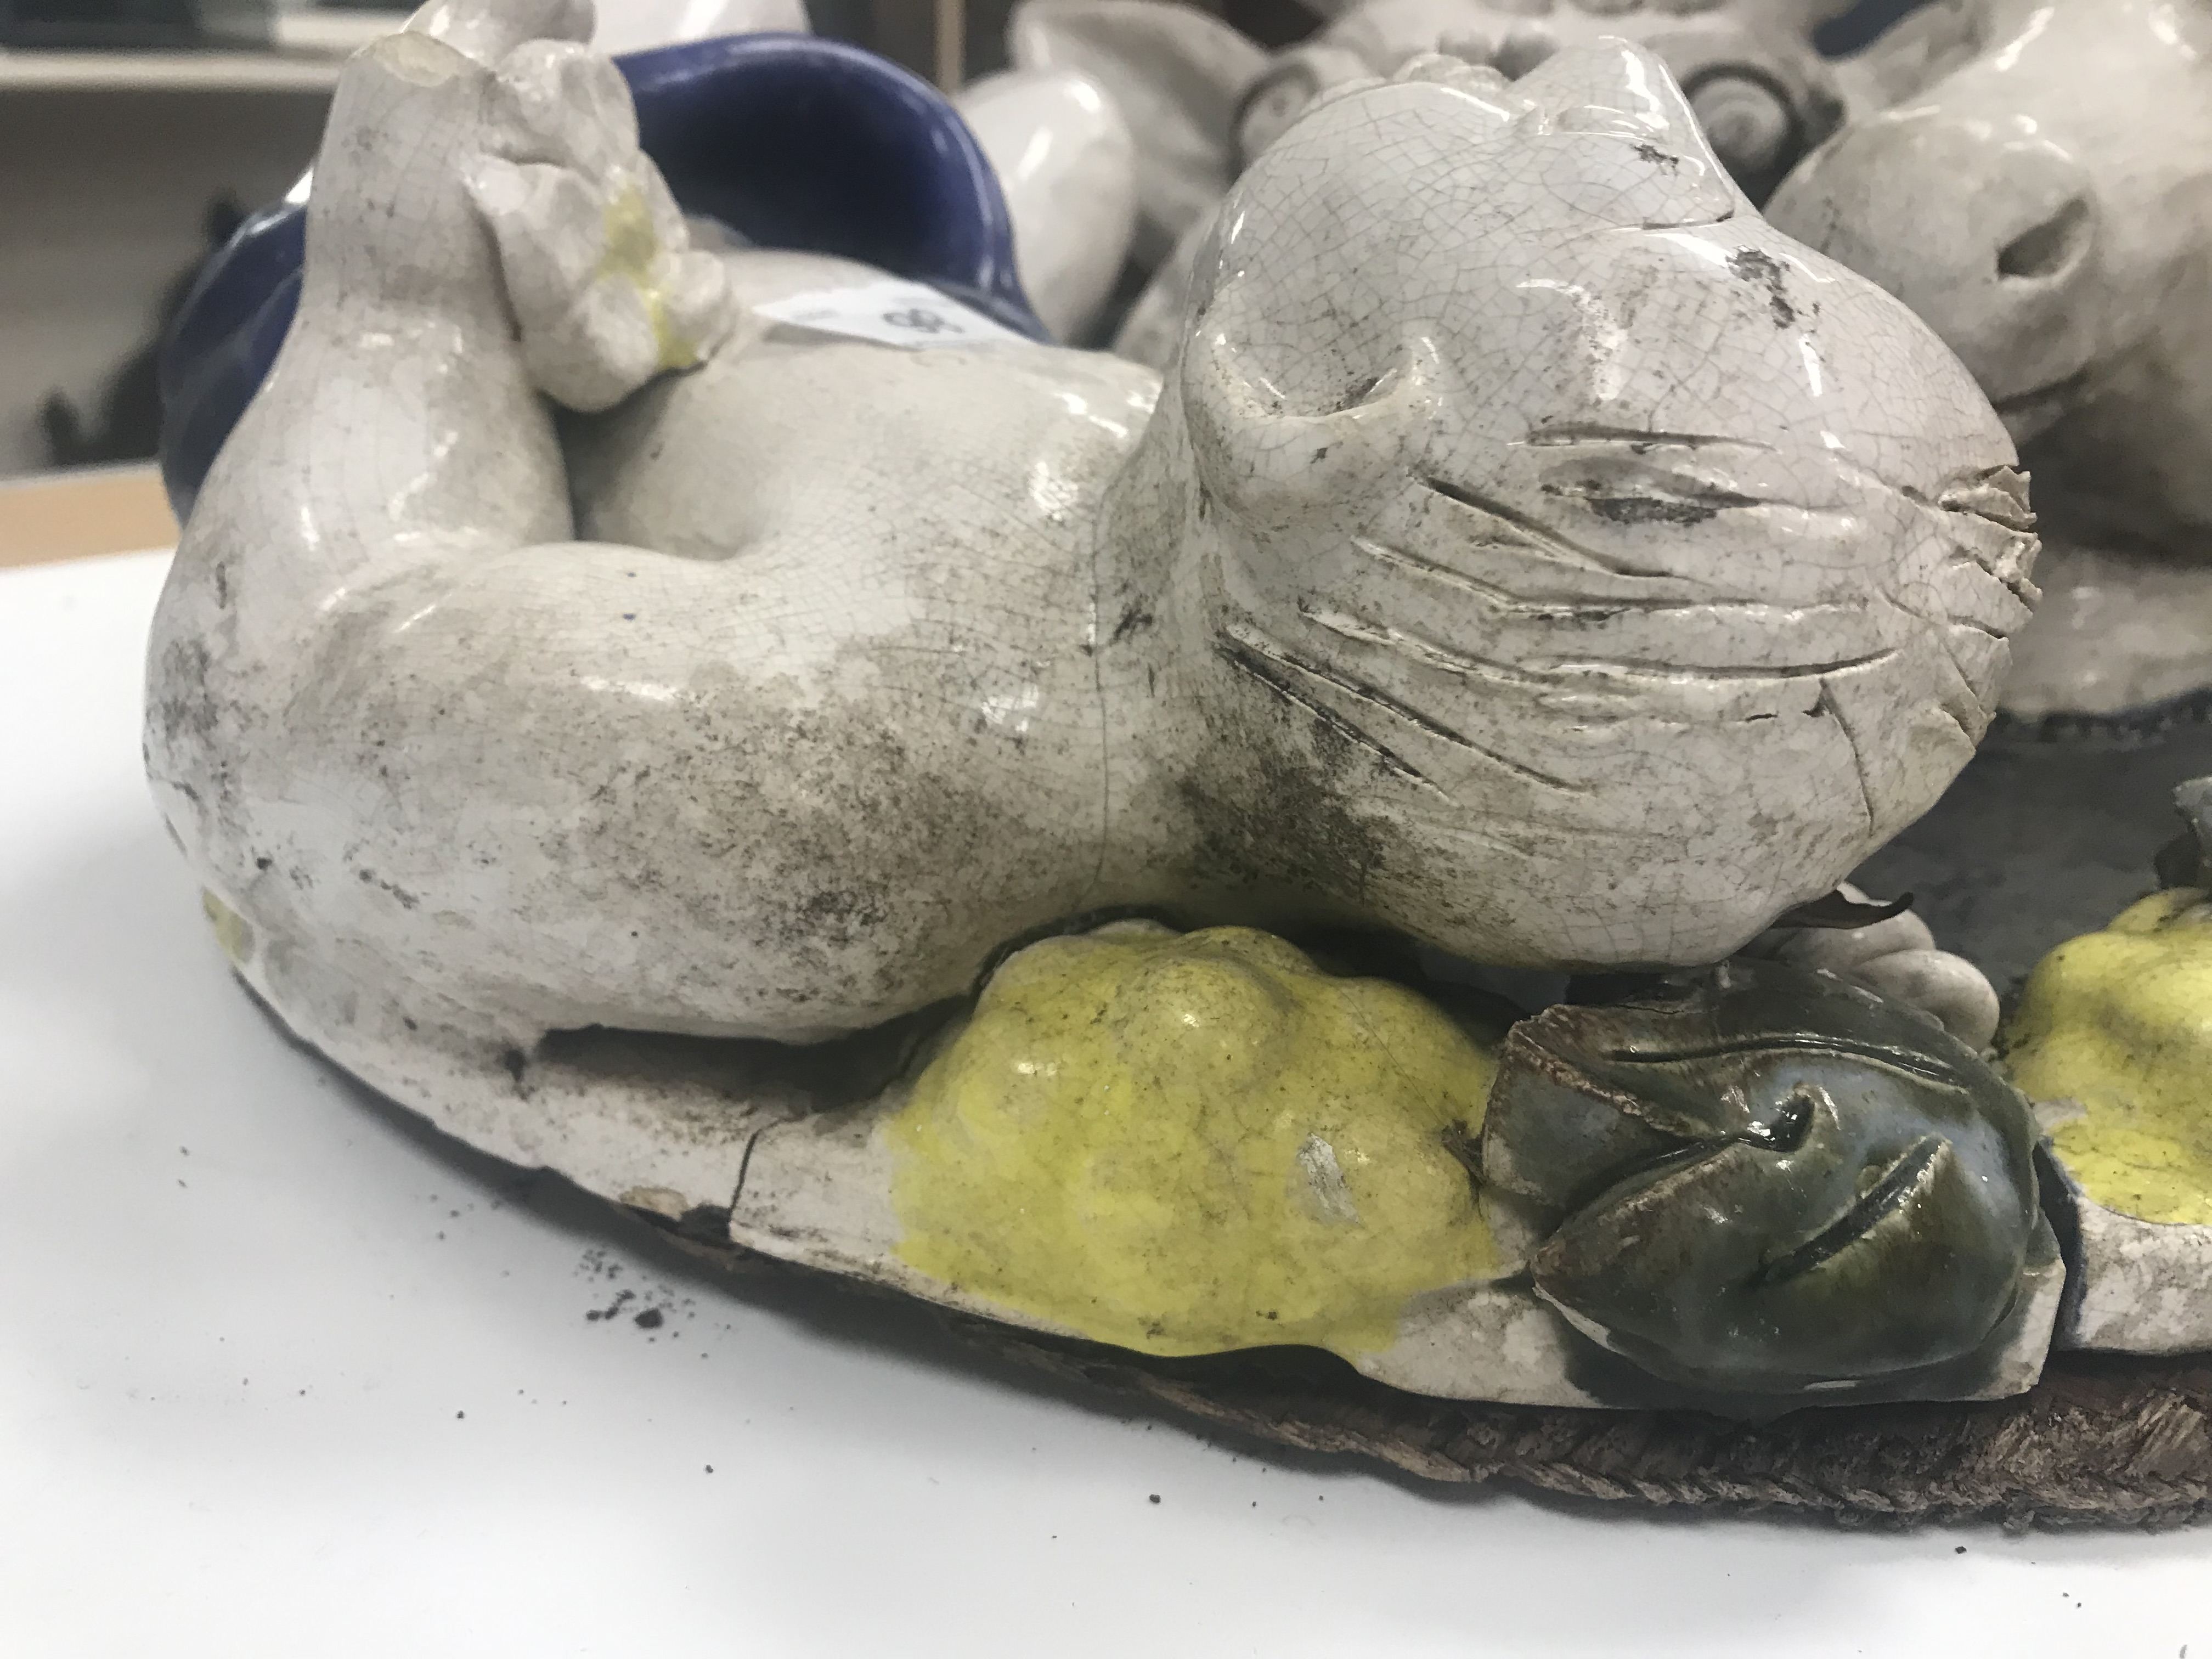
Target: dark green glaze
1769	1182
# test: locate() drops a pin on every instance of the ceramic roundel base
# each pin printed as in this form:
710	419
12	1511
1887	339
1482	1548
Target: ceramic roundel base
2103	1438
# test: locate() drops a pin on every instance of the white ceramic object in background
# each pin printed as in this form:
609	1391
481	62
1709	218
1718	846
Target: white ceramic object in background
636	25
2041	193
1440	593
1067	166
1802	16
1179	77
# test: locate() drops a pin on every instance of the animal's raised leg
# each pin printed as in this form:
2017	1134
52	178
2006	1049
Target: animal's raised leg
375	675
483	232
403	417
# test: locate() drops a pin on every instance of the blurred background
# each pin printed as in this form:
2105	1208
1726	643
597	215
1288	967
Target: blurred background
134	135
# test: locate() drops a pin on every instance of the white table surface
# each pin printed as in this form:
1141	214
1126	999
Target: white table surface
282	1374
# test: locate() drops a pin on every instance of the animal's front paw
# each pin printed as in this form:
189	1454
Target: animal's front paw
605	287
1896	958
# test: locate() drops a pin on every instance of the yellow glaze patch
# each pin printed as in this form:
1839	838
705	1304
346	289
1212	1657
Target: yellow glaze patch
232	931
2121	1022
1184	1143
633	247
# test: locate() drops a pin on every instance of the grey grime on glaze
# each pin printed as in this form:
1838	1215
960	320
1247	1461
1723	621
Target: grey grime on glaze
1770	1181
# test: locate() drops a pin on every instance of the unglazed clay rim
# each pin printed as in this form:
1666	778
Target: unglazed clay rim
2136	1286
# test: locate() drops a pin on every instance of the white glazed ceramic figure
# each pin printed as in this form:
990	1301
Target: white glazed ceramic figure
2041	193
1531	551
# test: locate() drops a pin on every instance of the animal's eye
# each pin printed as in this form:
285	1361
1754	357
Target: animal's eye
1627	489
1749	123
1296	80
1272	106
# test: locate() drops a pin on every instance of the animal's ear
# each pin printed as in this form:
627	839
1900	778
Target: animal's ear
1612	86
1912	54
1179	77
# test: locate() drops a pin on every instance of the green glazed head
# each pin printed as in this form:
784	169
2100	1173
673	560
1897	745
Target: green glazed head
1770	1182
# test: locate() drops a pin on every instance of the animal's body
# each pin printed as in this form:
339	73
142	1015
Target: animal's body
1539	555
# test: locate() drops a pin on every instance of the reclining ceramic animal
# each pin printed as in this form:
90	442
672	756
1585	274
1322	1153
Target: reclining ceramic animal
2040	191
1531	552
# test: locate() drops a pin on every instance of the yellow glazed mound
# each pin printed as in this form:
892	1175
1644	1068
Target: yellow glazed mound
1184	1143
2121	1022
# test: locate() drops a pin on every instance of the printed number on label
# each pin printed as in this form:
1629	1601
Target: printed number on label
891	313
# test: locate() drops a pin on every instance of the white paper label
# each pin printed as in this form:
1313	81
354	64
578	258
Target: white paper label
891	313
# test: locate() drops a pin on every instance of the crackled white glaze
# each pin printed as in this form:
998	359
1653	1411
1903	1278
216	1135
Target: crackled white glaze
2145	1287
2039	189
1531	551
1762	93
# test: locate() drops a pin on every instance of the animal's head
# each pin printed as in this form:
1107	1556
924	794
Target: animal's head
2040	191
1202	101
1764	96
1669	563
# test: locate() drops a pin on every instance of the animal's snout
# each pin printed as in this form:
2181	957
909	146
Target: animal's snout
1991	235
2052	248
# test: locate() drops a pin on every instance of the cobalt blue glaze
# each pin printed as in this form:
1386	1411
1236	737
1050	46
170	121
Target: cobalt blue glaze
791	141
795	142
222	343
